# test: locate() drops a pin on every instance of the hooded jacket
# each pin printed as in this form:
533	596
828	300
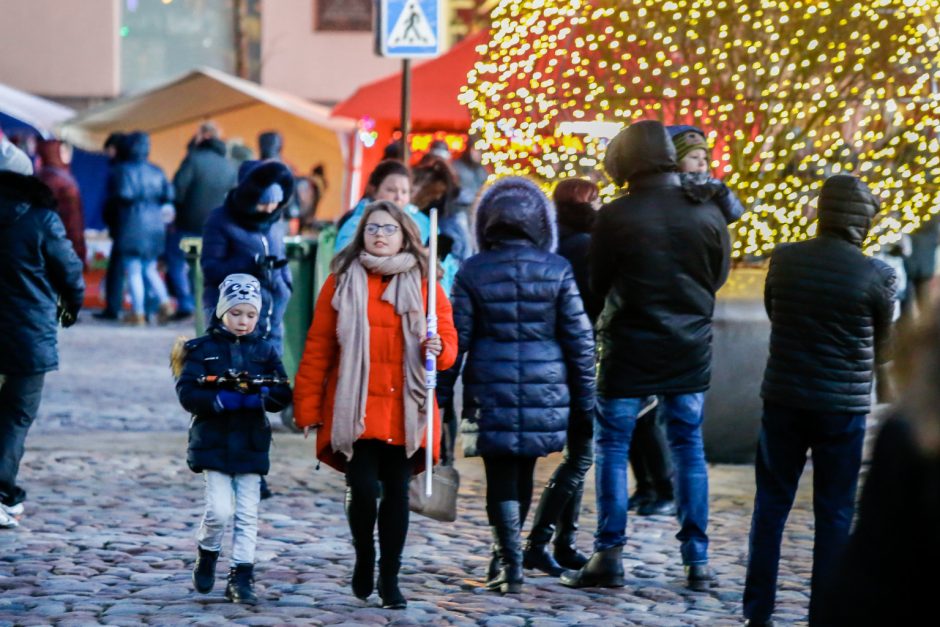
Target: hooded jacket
830	308
233	442
657	258
37	267
237	238
58	177
522	327
201	183
139	190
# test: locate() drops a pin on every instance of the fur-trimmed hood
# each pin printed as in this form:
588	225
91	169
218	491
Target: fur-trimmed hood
515	208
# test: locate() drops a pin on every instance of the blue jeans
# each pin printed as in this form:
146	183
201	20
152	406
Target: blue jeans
140	272
177	271
614	428
786	435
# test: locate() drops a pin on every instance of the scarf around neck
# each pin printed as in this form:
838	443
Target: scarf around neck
351	300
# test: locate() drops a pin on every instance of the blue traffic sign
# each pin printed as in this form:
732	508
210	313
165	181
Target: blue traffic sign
410	28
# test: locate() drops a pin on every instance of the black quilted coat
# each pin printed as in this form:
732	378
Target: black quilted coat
830	307
233	442
657	258
528	343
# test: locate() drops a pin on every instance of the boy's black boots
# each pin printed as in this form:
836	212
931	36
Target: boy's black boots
204	570
506	528
240	581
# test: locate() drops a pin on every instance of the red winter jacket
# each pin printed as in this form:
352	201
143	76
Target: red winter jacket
56	175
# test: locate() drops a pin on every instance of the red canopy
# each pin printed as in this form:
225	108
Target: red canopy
435	85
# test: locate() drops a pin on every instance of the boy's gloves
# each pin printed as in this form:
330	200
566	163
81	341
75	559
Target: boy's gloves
226	400
255	401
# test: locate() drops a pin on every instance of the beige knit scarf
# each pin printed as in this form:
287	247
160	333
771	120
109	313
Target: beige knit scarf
352	329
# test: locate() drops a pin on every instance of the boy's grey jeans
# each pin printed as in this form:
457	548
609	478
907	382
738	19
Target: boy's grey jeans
227	497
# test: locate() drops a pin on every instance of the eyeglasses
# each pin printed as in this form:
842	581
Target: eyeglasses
385	229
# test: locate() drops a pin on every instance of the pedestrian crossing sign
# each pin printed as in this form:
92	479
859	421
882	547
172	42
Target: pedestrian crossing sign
410	28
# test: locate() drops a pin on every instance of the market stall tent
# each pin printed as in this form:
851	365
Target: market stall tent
23	111
171	113
436	85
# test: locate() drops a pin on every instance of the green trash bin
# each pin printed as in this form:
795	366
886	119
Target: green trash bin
301	255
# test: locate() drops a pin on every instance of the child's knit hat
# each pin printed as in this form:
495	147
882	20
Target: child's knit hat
686	139
238	289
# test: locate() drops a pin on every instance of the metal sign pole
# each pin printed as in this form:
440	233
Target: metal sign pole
405	110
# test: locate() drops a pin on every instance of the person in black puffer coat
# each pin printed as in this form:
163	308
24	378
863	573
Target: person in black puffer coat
830	310
576	204
530	356
41	282
657	258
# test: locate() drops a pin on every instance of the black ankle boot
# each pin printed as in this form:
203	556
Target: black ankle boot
204	570
492	570
538	556
240	581
506	529
604	569
363	542
392	598
566	551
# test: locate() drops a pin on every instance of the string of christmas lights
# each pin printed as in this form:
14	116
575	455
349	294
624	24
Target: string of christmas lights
788	91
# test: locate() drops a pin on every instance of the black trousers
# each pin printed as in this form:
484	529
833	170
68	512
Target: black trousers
376	463
19	404
509	478
650	458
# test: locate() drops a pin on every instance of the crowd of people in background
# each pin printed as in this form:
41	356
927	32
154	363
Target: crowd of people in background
574	327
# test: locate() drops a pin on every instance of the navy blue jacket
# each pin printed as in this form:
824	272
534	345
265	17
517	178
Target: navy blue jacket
236	236
37	267
521	323
233	442
138	191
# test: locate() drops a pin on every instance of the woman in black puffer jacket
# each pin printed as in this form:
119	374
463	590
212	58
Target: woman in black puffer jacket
530	356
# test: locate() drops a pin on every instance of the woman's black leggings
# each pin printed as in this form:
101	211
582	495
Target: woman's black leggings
376	462
509	478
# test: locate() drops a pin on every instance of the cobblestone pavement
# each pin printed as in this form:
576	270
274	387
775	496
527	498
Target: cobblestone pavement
108	532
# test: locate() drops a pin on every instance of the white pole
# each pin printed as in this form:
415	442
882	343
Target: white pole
430	361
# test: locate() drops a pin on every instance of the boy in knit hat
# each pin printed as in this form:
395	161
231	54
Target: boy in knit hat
230	434
692	156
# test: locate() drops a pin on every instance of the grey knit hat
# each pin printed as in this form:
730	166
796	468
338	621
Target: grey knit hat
238	289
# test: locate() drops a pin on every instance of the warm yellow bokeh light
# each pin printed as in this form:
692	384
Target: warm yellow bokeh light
789	92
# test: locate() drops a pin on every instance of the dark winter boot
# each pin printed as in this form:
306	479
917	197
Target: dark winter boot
506	529
492	570
363	542
240	585
551	504
392	598
604	569
204	570
566	550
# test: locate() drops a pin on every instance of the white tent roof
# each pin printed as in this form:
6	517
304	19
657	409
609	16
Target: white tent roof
38	112
196	96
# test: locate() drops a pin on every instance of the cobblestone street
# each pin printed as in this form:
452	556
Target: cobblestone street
108	532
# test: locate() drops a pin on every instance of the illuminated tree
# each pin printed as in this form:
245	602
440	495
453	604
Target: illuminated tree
789	93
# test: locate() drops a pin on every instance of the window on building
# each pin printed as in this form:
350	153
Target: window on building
342	15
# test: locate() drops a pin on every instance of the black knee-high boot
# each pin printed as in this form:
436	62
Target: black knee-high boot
506	522
361	517
393	529
553	501
566	549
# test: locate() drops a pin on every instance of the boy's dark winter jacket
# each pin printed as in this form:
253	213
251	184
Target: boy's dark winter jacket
520	320
233	442
37	267
237	239
829	307
657	258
